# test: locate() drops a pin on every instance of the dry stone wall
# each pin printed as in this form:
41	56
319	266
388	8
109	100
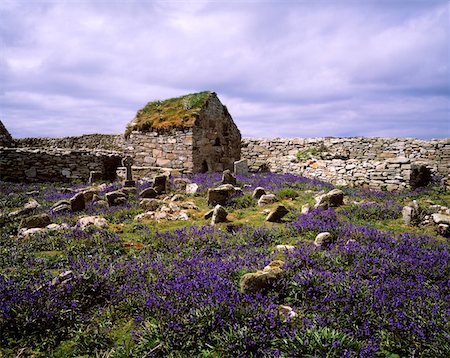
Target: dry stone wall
110	142
381	163
44	164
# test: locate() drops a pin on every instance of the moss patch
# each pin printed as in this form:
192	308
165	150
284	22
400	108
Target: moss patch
176	112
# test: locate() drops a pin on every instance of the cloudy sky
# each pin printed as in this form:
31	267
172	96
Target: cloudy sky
283	68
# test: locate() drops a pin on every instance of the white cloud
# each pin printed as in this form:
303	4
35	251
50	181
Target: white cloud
284	68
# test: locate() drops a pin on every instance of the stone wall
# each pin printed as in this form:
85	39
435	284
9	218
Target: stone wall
168	148
5	138
381	163
217	140
111	142
41	165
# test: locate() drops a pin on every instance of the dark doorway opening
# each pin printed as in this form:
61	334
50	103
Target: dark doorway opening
204	168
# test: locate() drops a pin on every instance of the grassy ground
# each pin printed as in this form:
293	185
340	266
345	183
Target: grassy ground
171	289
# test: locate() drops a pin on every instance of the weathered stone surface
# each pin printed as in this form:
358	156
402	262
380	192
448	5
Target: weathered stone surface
277	214
61	206
179	184
221	195
148	204
77	202
408	214
333	198
177	197
161	184
241	167
444	230
267	199
262	281
116	197
191	188
96	221
285	248
219	215
286	313
95	176
148	193
35	221
441	219
305	209
323	239
228	178
29	207
258	192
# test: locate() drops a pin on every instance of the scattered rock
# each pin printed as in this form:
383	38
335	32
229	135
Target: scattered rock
115	197
189	205
177	197
61	206
191	188
228	178
408	214
286	313
333	198
161	184
35	221
63	278
323	239
89	194
148	193
32	193
444	230
101	204
180	184
219	215
441	219
127	190
29	207
221	195
77	202
264	280
96	221
305	209
277	214
209	214
150	204
258	192
267	199
25	233
284	248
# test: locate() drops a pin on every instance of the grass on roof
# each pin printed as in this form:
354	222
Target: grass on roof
170	113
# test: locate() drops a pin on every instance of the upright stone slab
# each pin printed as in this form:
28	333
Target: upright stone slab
241	167
160	184
228	178
127	163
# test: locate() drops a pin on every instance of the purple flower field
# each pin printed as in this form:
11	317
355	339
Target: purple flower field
370	293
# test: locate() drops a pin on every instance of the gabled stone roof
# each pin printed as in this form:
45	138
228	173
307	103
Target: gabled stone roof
6	139
179	112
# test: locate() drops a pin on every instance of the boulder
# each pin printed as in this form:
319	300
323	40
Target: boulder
284	248
100	204
77	202
115	197
221	195
267	199
96	221
61	206
161	184
228	178
179	184
191	188
323	239
189	205
258	192
29	207
263	280
277	214
35	221
209	214
149	204
219	215
441	219
89	194
333	198
444	230
286	313
177	197
148	193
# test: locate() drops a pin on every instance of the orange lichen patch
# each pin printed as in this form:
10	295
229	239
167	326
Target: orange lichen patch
135	245
314	165
176	112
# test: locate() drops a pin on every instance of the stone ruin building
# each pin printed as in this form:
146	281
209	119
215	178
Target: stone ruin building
194	133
